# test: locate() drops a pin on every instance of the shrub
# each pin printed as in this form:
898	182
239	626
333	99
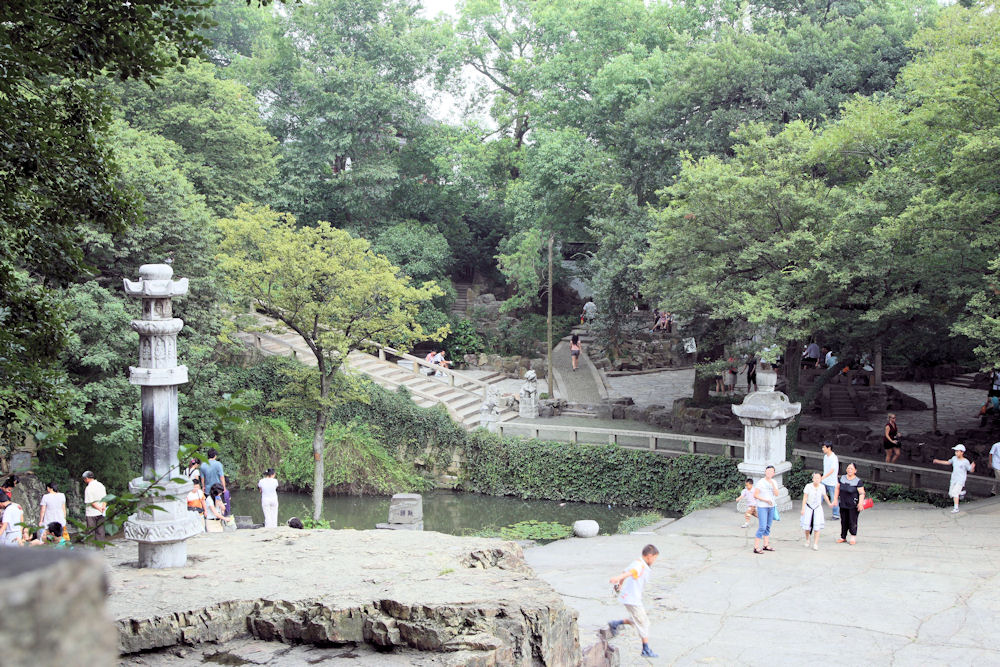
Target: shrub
592	473
463	340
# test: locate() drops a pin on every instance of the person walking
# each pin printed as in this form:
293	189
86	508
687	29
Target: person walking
812	520
268	486
751	502
995	462
574	350
890	440
766	493
52	507
93	500
630	585
960	469
831	472
850	494
10	521
752	373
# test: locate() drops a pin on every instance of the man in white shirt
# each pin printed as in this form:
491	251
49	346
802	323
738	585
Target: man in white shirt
93	497
995	462
831	473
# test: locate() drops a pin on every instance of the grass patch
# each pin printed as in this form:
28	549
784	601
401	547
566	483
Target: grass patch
709	501
634	523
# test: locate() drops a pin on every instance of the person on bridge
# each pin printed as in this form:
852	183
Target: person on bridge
960	469
890	440
574	351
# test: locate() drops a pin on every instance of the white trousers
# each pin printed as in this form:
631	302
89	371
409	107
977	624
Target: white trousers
270	508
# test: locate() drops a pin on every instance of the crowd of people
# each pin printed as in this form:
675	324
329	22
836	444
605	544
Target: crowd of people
16	531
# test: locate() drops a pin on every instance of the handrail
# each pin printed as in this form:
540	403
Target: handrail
383	349
915	473
692	440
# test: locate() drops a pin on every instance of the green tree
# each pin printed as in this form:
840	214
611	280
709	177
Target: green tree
552	199
328	287
55	171
226	151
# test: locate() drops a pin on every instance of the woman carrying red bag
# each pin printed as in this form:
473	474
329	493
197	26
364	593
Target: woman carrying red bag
850	496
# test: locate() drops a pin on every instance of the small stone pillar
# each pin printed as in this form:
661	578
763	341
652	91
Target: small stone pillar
765	415
528	402
489	412
406	512
160	533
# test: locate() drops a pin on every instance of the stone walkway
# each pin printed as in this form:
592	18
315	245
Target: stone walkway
661	388
918	588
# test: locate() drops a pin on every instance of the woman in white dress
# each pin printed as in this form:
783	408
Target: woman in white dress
268	486
811	520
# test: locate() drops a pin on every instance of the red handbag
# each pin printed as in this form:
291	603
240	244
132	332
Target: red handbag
868	504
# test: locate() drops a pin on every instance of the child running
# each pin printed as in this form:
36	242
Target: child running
747	495
630	585
960	468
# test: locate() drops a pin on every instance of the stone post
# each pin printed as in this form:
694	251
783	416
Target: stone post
765	415
161	532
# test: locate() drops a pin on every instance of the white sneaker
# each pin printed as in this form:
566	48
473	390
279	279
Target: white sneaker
744	525
815	547
806	545
954	510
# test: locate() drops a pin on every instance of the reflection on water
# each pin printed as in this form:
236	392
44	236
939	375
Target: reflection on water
444	511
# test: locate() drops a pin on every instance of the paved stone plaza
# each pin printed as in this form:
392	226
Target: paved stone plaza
919	588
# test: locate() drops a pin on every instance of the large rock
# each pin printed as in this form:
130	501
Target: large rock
586	528
468	601
52	603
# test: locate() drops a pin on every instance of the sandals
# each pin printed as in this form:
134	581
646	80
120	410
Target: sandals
768	549
841	540
758	551
852	541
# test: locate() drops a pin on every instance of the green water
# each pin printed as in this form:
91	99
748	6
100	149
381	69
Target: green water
444	511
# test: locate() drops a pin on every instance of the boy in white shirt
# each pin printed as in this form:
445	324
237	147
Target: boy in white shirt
630	585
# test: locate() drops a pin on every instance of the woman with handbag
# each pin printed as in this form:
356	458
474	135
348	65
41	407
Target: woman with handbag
215	510
850	497
765	491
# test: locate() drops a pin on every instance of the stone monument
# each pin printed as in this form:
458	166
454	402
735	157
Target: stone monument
489	413
528	403
406	512
765	415
159	532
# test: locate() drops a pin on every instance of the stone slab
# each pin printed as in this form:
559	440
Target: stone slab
923	584
467	601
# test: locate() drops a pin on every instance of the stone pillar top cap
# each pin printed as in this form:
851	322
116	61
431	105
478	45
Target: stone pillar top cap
155	272
767	405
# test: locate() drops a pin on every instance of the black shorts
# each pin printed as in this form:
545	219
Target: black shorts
574	353
889	445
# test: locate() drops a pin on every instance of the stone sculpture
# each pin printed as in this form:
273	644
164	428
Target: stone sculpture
406	512
528	404
489	413
160	532
765	415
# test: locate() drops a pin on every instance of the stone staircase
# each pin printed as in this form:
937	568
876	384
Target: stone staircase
965	381
838	401
461	306
461	395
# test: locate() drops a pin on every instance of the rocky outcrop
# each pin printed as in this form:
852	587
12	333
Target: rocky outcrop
469	601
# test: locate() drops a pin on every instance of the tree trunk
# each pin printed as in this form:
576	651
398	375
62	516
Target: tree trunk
793	368
810	394
701	387
548	360
878	365
934	423
319	439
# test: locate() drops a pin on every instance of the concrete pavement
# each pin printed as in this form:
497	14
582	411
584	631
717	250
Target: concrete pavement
919	588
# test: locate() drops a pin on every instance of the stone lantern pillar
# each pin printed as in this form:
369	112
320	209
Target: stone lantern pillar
160	533
765	414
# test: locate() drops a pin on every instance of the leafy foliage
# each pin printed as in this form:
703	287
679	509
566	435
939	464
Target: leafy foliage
634	523
541	531
592	473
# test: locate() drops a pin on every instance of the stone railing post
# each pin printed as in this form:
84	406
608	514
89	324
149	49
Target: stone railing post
161	532
765	415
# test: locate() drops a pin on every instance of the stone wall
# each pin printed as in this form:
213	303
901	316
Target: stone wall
53	612
466	601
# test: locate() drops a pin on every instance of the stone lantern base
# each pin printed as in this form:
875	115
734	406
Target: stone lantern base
161	532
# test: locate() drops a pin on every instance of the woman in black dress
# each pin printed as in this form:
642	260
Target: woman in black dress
890	440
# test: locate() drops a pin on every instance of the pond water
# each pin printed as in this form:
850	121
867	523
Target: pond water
444	511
